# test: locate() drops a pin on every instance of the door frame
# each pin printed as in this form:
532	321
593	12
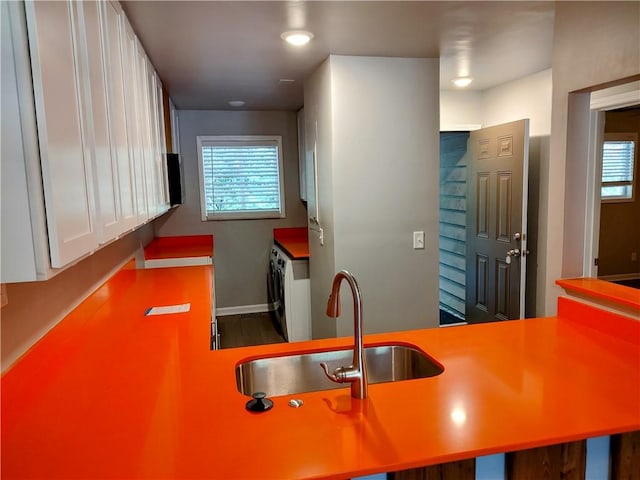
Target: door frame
598	106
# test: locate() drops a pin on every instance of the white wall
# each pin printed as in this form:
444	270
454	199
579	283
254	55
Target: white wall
460	110
528	97
594	44
382	156
241	246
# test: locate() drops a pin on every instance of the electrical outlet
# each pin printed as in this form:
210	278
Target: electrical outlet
5	297
634	256
418	240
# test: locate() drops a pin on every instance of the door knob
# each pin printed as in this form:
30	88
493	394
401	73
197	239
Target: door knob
514	252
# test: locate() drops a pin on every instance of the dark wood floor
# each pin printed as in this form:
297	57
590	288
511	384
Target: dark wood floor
248	329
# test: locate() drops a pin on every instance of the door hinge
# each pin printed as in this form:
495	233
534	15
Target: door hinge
595	262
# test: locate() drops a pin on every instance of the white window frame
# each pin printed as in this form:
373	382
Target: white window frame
205	140
628	137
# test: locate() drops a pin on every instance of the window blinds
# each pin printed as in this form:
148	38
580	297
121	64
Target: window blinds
617	169
241	177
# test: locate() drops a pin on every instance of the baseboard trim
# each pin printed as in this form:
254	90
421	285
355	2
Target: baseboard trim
622	276
259	308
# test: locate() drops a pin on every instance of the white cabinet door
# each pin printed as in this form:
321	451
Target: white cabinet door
112	30
160	191
153	184
145	130
164	181
54	37
105	166
23	230
135	129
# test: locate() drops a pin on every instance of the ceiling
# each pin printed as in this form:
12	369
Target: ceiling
211	52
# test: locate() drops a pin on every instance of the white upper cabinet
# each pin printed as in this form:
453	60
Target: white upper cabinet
135	118
25	252
162	146
145	121
105	163
159	194
54	41
112	26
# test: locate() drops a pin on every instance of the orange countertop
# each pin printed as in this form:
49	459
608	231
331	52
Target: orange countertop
601	290
179	247
110	393
295	241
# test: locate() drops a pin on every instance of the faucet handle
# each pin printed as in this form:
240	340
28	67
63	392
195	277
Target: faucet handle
337	376
330	376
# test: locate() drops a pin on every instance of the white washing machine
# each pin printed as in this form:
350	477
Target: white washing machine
290	294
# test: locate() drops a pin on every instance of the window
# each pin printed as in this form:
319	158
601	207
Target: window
619	154
241	177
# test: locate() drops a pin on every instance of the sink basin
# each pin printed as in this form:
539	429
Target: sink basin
301	373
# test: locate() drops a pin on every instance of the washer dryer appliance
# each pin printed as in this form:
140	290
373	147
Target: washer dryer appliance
290	294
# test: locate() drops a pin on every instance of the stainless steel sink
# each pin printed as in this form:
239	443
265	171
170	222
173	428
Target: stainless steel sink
301	373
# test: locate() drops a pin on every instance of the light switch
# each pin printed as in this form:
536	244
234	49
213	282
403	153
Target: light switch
418	240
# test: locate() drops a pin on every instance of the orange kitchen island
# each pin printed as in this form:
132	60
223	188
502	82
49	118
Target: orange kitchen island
112	393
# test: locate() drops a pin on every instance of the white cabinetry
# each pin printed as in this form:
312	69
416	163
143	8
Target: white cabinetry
134	125
142	120
24	249
112	29
105	161
153	177
162	147
55	38
82	158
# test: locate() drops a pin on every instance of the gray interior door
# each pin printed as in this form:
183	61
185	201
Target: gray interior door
496	222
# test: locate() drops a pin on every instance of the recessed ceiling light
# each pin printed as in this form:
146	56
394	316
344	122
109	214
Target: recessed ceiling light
237	103
286	81
462	81
297	37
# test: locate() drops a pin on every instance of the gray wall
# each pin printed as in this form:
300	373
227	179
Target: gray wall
594	43
378	182
241	246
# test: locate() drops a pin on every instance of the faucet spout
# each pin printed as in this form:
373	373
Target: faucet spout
356	373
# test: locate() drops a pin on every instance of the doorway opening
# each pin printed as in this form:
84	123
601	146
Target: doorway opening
452	226
612	243
483	241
